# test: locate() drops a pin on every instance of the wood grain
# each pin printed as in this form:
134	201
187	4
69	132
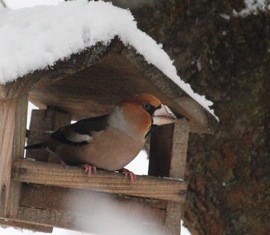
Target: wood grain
62	68
69	206
12	128
177	170
109	182
168	150
24	225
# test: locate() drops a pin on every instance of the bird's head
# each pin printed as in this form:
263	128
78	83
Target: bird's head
145	111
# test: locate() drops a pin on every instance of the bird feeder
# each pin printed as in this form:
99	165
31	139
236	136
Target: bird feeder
87	84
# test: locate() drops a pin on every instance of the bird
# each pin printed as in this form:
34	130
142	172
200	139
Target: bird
109	142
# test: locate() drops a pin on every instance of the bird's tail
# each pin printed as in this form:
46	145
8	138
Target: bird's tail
34	146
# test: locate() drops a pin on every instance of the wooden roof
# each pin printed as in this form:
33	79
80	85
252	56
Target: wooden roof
90	83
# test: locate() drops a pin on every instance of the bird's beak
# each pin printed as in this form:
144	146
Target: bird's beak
163	116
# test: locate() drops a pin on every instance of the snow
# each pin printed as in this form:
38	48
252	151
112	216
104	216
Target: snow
253	7
35	38
16	4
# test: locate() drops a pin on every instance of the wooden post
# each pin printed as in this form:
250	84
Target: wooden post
24	225
13	115
168	150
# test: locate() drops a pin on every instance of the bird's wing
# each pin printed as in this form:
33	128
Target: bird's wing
80	133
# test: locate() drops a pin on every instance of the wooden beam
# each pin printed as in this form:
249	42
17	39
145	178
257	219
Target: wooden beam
92	222
179	149
4	222
70	208
177	170
168	149
62	68
102	181
66	199
12	128
200	120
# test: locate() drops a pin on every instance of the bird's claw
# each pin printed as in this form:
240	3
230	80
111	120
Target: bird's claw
129	174
89	169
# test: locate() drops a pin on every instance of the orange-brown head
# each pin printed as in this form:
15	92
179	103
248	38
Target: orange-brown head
145	111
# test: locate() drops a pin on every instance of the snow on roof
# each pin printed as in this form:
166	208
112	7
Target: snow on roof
35	38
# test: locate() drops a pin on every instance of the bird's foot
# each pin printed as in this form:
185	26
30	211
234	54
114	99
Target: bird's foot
89	169
129	174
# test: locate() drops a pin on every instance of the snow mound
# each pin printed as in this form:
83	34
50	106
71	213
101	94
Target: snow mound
35	38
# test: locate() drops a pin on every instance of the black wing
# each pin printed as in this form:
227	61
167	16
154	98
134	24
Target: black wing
80	133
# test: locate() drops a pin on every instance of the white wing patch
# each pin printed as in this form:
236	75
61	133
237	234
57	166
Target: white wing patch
78	138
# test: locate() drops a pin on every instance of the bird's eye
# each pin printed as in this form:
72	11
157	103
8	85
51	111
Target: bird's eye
147	107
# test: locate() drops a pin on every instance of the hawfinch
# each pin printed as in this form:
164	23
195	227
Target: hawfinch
110	141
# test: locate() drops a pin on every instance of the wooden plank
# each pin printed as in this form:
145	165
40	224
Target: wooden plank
52	218
80	203
12	128
92	222
177	170
173	218
109	182
200	120
43	121
32	195
4	222
179	149
81	210
168	150
62	68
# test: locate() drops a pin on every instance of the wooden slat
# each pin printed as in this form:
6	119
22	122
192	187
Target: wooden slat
168	149
70	208
65	199
62	68
73	177
52	218
200	120
93	222
12	128
179	149
24	225
173	218
177	170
